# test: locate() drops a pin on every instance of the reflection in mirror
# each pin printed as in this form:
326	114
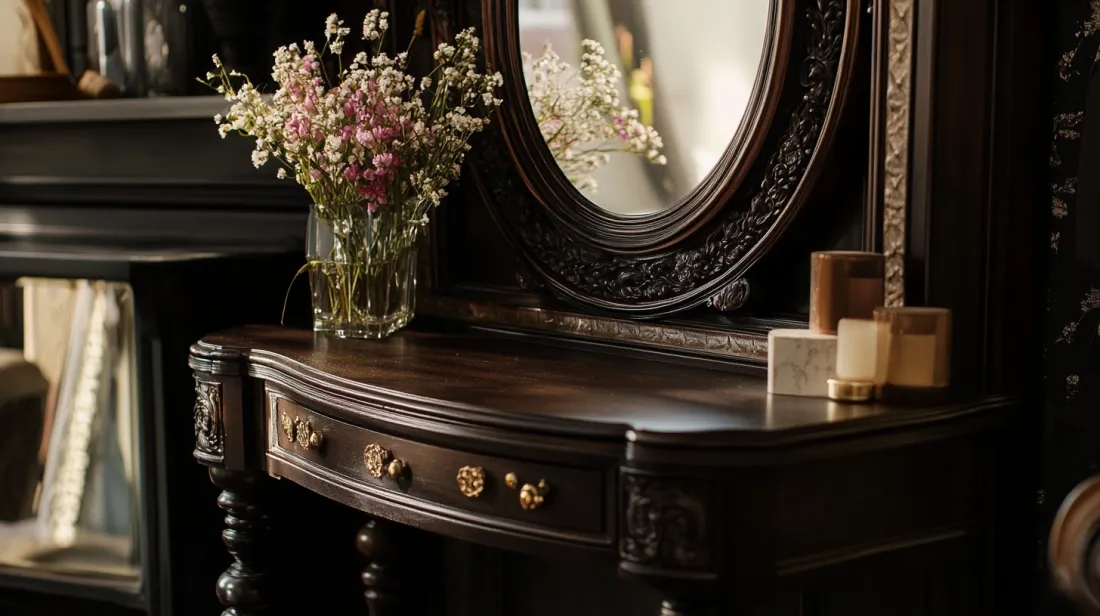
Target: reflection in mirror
68	425
639	99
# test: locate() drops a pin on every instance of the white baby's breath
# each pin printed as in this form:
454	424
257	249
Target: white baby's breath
580	114
335	32
375	148
374	138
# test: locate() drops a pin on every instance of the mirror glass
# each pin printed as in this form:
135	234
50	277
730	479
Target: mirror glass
69	478
638	99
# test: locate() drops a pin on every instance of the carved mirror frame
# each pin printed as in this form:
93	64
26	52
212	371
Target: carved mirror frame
659	264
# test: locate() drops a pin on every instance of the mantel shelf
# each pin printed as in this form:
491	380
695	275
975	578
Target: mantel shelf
498	380
119	110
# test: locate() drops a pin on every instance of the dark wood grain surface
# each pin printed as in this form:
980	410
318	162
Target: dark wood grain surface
504	380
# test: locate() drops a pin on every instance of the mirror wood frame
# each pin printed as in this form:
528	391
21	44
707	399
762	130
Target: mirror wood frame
663	263
645	232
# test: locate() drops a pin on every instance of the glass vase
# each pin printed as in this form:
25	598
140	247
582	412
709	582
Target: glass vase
362	271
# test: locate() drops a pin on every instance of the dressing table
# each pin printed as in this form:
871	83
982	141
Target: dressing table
583	384
692	478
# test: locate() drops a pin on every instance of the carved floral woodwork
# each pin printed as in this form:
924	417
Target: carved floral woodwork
299	430
665	523
732	297
209	429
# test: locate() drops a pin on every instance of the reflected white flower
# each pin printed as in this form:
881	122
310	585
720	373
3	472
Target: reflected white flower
580	114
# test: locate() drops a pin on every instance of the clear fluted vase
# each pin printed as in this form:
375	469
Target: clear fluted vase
362	271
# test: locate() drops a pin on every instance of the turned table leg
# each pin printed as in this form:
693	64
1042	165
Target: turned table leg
380	544
243	588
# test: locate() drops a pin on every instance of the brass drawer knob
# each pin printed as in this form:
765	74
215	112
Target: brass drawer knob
380	461
531	496
396	468
471	481
299	430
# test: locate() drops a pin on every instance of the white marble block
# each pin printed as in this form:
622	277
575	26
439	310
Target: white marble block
800	362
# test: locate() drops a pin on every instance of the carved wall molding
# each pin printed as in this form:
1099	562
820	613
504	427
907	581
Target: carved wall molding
712	342
895	192
665	523
209	429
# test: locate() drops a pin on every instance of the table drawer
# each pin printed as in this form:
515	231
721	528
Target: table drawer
553	496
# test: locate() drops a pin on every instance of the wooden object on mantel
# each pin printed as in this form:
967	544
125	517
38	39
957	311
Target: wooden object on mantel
691	478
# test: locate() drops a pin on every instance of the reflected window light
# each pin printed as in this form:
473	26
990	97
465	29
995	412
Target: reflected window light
729	89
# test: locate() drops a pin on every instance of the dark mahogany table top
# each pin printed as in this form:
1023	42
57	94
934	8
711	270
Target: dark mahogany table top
501	377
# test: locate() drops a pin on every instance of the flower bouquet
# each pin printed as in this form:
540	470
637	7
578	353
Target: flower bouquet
375	148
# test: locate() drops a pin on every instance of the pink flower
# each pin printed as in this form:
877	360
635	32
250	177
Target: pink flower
298	125
351	133
374	194
381	134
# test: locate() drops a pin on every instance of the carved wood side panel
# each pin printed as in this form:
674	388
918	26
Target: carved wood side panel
209	422
665	523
